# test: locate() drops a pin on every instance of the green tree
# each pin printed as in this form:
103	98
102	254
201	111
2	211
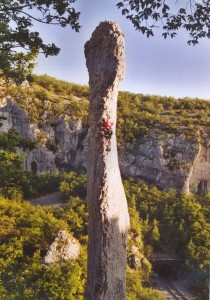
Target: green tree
13	179
146	16
73	184
19	45
155	235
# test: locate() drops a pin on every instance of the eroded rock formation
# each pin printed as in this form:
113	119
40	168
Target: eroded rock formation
61	145
165	160
65	247
107	205
200	175
14	118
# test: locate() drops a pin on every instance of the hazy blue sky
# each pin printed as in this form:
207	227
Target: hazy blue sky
153	66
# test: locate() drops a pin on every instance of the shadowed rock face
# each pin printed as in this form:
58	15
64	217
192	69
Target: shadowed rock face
108	213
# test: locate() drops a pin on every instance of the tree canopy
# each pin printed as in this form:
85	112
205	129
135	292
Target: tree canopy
19	45
146	16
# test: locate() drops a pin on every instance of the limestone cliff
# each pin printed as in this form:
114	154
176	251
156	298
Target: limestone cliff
166	160
61	144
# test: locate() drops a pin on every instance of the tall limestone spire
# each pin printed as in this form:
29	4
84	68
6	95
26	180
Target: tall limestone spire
107	205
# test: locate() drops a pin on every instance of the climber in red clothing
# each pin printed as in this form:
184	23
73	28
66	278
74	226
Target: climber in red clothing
106	128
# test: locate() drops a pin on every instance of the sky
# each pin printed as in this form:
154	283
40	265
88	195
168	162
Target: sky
154	66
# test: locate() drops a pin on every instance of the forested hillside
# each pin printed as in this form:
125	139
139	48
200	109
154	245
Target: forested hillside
137	113
160	221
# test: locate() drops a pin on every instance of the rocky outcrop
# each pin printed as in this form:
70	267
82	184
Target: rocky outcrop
64	248
136	260
166	160
62	145
14	118
200	175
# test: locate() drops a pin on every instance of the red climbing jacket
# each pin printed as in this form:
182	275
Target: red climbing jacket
107	125
106	128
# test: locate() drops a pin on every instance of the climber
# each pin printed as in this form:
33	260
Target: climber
106	128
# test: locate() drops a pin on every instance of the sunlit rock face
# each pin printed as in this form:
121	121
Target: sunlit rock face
165	160
64	248
170	161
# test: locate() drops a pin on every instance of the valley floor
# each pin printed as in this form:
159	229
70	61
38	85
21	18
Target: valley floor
48	199
177	287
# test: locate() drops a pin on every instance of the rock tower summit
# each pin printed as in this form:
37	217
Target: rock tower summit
107	205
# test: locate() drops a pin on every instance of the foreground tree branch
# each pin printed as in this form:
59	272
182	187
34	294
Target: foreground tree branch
16	21
146	16
107	205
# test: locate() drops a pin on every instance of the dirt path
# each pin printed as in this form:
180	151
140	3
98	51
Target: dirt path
48	199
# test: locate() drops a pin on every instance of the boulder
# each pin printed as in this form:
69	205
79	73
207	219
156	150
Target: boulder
65	247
